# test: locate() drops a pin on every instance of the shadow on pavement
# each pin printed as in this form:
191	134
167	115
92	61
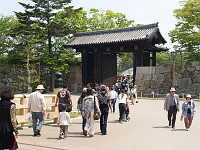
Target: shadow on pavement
39	146
178	129
113	121
162	127
26	135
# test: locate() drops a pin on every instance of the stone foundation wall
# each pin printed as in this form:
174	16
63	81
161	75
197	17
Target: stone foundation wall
16	77
159	79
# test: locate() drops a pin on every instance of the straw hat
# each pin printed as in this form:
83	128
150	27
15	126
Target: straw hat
40	87
172	89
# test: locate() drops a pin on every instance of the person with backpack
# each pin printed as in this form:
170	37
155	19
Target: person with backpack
104	105
90	103
64	98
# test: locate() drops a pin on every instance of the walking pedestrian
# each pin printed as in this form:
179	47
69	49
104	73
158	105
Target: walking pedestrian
64	121
80	102
89	102
104	105
122	105
64	98
188	111
133	94
172	106
37	106
8	121
113	97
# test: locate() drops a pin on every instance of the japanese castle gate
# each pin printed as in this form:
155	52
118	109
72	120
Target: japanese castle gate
99	50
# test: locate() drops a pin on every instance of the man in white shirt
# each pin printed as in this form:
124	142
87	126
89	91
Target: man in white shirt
112	95
37	106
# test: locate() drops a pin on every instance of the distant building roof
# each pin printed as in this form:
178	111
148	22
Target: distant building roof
145	32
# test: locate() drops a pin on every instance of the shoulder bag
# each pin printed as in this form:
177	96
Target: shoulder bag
96	114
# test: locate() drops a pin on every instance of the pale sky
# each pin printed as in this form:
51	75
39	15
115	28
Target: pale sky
141	11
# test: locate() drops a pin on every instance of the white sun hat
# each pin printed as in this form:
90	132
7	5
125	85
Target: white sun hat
40	87
188	96
172	89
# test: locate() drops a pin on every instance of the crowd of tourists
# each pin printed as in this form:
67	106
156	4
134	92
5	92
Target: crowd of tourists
93	104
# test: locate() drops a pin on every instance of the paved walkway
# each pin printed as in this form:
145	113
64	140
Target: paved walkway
147	130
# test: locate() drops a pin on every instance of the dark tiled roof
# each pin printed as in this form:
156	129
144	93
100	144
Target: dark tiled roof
145	32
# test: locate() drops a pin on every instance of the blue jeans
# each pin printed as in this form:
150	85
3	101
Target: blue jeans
113	101
103	122
83	123
35	117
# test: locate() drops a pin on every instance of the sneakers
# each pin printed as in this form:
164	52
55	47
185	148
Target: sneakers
65	136
37	133
61	136
91	135
85	132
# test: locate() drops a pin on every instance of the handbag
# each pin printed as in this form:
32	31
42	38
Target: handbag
69	107
96	114
28	117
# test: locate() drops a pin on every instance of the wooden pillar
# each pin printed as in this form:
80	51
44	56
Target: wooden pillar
134	67
146	58
97	67
153	58
84	67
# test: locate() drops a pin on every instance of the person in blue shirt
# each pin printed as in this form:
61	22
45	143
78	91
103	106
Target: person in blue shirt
188	111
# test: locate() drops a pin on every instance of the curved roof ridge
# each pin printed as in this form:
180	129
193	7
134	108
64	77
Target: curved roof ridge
148	26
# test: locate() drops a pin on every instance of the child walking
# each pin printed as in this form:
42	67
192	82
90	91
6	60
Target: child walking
63	121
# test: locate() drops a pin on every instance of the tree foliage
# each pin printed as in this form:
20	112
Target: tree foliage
187	30
40	27
39	33
6	43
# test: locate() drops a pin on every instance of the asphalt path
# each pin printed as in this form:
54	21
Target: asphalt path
147	130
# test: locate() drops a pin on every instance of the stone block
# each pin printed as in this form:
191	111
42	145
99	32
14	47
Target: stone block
139	76
147	77
196	80
190	69
195	87
165	69
180	70
167	76
185	83
159	77
178	76
154	84
195	64
145	70
185	74
188	65
198	68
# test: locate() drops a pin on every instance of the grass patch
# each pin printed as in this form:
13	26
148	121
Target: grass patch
74	115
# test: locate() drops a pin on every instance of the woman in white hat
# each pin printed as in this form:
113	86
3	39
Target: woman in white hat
188	111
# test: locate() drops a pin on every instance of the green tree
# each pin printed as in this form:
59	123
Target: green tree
40	21
6	42
186	34
102	20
